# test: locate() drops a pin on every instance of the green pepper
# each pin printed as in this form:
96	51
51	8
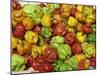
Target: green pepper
64	51
56	41
46	32
73	62
59	65
91	38
88	49
18	62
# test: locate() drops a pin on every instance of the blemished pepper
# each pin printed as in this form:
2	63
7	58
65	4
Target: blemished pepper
56	41
18	62
88	49
46	32
64	51
31	37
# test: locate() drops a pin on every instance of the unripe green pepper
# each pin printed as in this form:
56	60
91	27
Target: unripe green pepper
59	65
64	51
92	37
94	27
18	62
56	41
46	32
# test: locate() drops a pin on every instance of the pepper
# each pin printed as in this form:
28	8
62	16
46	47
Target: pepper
18	62
91	38
64	51
88	49
41	40
31	37
79	8
94	27
80	36
73	62
36	51
28	23
72	22
46	20
46	32
56	41
59	65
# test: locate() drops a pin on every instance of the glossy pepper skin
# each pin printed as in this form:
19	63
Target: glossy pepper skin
18	62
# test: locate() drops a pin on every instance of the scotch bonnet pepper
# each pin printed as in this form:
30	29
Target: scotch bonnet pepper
31	37
46	32
59	65
56	41
88	49
18	62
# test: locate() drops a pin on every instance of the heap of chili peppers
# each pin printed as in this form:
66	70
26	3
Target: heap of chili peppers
50	37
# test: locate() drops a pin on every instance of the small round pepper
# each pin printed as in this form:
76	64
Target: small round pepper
31	37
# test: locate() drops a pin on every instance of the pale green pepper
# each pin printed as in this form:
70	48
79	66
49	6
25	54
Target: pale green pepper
18	62
64	51
56	41
73	61
59	65
46	32
91	38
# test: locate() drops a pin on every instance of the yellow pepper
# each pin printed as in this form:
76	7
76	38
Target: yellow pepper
87	64
46	20
31	37
14	42
72	22
80	36
80	57
36	51
28	23
80	8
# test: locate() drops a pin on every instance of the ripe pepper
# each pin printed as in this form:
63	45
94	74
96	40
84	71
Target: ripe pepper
88	49
36	51
64	51
24	47
46	32
72	22
80	36
46	20
79	8
18	62
59	65
28	23
31	37
56	41
66	10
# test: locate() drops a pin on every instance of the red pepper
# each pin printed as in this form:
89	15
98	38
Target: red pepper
16	5
87	28
37	29
69	38
76	48
19	31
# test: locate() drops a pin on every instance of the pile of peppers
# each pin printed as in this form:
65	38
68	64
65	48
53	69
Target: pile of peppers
52	37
